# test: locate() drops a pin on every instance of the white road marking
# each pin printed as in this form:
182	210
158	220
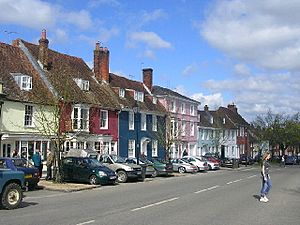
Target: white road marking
87	222
251	176
231	182
207	189
154	204
45	196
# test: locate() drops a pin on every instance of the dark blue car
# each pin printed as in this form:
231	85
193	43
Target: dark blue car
30	172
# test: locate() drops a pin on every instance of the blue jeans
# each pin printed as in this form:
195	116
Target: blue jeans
266	186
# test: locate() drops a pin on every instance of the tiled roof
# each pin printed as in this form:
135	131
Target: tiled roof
13	60
234	116
64	68
157	90
130	86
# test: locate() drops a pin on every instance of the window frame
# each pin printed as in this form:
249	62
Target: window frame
154	149
28	116
106	119
131	147
81	123
130	120
154	123
143	121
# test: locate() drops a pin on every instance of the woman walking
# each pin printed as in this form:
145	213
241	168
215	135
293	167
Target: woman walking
266	181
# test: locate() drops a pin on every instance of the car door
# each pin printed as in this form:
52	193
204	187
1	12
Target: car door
68	168
81	170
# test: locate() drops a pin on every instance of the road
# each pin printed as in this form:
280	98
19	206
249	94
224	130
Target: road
224	197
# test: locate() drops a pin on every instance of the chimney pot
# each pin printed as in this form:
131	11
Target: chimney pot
205	108
101	63
44	35
98	45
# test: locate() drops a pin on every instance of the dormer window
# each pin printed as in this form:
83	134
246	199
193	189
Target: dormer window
122	92
224	120
83	84
24	81
211	120
139	96
154	100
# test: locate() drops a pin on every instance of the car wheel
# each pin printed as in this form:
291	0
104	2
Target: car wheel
11	196
93	180
181	170
31	187
154	174
122	176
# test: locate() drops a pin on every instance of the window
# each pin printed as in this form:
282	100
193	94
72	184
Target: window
192	110
172	106
122	92
83	84
143	121
174	128
24	81
80	118
154	122
28	122
139	96
131	120
183	108
154	100
131	148
224	120
192	129
103	119
183	127
154	148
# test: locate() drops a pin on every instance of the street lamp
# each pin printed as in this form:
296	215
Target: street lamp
136	110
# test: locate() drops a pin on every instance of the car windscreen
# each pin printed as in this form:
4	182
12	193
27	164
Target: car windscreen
2	164
21	163
118	159
94	162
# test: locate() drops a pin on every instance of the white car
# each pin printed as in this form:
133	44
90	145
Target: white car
200	163
211	165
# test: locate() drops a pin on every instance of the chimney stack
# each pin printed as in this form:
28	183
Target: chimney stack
43	50
232	107
101	63
206	108
148	78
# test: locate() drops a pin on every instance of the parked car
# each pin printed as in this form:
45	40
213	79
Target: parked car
211	163
162	168
182	166
212	159
11	187
124	170
84	169
150	170
31	173
200	163
246	160
230	162
290	160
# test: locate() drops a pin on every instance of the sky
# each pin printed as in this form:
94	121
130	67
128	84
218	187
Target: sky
217	52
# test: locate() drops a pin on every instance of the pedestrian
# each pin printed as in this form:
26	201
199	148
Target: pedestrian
15	153
184	153
266	181
37	161
283	161
50	160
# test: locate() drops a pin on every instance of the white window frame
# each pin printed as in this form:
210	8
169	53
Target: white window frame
143	121
192	126
154	100
154	148
139	96
192	110
173	106
82	84
174	128
183	108
131	148
24	81
154	123
183	128
104	120
122	92
80	122
28	116
131	120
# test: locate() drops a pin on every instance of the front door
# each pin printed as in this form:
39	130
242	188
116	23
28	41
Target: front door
222	151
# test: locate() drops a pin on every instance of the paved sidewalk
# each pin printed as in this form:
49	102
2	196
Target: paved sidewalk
64	187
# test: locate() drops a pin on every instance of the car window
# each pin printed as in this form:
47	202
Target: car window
68	161
118	159
2	164
21	163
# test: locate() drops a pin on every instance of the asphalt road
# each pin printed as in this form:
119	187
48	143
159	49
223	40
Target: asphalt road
225	197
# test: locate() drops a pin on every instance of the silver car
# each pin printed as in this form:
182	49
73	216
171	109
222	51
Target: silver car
182	166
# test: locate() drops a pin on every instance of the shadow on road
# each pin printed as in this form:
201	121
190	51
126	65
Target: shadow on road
256	196
27	204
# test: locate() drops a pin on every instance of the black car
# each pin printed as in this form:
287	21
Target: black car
230	162
246	160
87	170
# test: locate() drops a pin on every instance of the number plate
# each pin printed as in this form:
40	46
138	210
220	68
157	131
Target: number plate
28	176
113	177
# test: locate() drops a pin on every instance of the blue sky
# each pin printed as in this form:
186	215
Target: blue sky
218	52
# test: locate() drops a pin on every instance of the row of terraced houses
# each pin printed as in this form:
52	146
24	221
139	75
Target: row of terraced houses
103	111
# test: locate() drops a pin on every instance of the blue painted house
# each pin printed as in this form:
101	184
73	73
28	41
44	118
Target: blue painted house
141	118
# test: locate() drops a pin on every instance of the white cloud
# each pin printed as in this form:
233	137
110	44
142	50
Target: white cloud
106	34
61	36
213	101
150	39
190	69
152	16
81	19
29	13
242	70
265	33
97	3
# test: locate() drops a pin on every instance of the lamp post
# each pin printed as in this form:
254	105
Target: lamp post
2	96
136	110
